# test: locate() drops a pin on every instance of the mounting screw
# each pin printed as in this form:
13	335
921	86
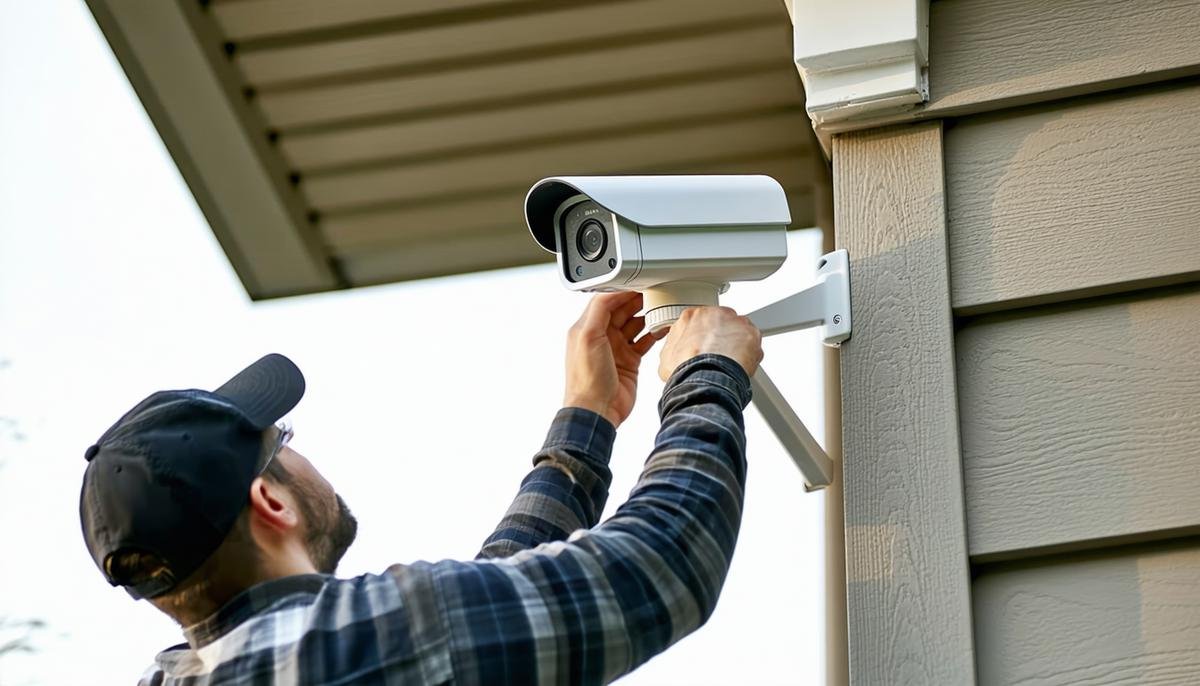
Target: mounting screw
837	319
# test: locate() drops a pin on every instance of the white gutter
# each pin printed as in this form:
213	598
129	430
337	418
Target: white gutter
861	58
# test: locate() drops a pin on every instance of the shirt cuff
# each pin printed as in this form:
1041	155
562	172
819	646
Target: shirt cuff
715	369
583	431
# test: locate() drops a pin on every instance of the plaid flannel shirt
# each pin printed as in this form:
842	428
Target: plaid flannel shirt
552	597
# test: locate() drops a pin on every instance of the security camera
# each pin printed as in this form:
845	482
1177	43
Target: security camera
678	239
681	240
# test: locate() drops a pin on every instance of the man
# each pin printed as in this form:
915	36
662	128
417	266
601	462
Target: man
194	501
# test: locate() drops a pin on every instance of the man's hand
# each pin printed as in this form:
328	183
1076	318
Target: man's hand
711	330
603	357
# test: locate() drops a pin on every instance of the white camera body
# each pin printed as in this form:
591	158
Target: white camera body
678	239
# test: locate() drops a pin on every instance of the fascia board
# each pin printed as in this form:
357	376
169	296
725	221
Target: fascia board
193	99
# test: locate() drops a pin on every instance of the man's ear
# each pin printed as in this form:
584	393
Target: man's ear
272	505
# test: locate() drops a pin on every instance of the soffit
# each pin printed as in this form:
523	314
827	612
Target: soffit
400	137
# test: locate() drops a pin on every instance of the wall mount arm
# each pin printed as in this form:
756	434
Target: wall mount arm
825	304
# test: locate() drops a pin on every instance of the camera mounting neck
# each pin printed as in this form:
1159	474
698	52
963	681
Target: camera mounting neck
665	302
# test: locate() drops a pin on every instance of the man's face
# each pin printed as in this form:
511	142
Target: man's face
330	528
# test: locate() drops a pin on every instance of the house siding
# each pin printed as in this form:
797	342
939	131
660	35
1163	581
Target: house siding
1070	151
1081	422
1119	616
1065	200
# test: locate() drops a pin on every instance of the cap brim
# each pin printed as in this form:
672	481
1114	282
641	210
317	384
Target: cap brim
266	390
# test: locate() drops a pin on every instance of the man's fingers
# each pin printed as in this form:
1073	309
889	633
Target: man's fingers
610	302
626	310
642	345
632	328
600	308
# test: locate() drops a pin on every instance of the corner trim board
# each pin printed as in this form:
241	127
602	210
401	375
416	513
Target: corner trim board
907	572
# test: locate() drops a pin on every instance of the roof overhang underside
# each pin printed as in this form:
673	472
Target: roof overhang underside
340	144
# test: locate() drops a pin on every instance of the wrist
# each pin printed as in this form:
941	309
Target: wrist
712	368
586	434
591	404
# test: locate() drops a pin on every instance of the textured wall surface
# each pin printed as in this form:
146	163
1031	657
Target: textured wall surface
906	562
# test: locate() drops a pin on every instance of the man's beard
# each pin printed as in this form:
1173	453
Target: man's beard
331	536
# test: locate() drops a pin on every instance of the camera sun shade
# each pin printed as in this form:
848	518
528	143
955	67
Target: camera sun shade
662	201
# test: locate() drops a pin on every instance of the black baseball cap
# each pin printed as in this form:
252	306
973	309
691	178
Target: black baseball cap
172	475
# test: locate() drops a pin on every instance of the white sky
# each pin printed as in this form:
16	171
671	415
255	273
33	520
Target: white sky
425	419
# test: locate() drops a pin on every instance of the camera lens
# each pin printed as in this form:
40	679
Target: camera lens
591	240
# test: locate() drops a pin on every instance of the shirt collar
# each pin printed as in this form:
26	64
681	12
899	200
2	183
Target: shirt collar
250	602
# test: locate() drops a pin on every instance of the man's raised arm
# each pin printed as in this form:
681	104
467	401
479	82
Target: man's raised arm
565	491
598	604
568	486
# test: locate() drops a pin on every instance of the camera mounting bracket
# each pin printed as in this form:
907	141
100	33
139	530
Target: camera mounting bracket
825	304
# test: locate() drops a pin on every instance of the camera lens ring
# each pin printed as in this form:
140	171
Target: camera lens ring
591	240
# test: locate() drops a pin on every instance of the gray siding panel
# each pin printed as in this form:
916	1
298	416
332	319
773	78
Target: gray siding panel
1081	422
908	596
985	55
1096	195
1128	616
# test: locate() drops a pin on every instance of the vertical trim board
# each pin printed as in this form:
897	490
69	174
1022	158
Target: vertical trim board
908	592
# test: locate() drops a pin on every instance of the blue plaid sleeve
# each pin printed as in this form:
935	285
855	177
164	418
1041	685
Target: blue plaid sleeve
566	490
594	605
